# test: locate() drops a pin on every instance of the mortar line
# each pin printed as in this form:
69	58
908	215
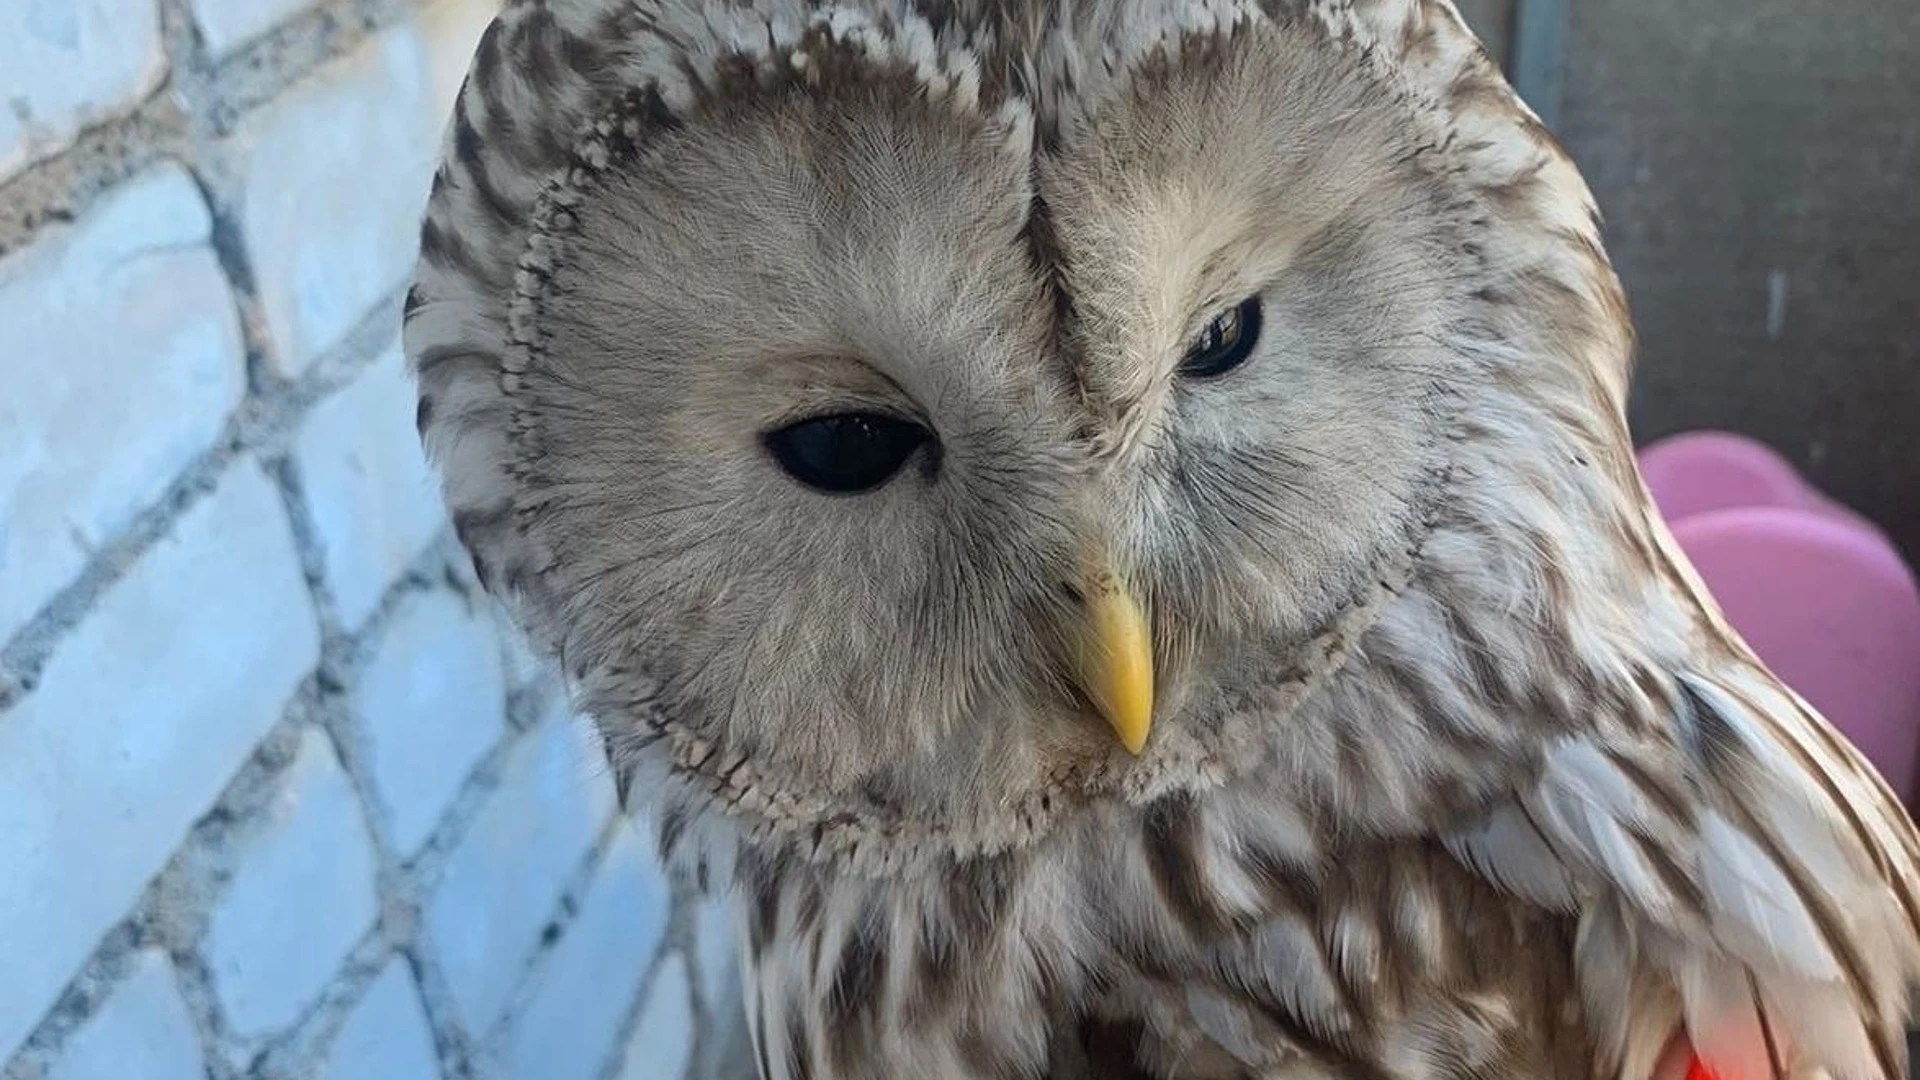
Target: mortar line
615	1056
291	490
172	910
453	1044
227	239
209	1020
177	906
688	901
103	974
163	916
344	658
404	883
459	1049
554	931
257	427
401	884
64	185
421	871
676	940
190	69
305	1040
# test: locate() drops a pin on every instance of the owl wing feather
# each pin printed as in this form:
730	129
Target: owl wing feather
1735	865
1743	875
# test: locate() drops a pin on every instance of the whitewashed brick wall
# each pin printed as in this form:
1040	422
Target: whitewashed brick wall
278	796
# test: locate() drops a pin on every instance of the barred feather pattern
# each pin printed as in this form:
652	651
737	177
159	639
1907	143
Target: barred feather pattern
1626	890
1528	808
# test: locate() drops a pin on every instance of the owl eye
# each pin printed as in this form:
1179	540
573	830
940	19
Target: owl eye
845	453
1226	342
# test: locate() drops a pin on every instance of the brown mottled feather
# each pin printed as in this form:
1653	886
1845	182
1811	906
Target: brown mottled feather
1458	772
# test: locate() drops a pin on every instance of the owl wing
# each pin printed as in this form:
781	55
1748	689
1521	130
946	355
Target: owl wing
1741	873
1734	865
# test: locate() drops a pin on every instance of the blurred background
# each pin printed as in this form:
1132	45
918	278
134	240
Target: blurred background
279	798
1758	164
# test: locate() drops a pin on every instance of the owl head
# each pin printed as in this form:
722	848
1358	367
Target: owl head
905	423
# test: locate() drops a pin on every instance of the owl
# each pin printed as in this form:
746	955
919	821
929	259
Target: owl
1108	528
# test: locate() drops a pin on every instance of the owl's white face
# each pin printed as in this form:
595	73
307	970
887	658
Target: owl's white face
892	442
847	392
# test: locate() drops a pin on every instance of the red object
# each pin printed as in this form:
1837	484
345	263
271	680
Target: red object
1697	1070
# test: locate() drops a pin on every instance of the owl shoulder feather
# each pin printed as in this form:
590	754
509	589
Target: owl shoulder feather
1739	872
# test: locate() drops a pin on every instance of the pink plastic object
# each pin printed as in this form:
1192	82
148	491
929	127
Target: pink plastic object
1714	470
1819	592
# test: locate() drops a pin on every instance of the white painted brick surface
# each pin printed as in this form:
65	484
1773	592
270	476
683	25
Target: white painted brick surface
662	1042
375	503
715	942
587	986
387	1037
452	29
522	667
719	958
433	699
122	358
337	178
157	617
227	24
143	1032
716	946
301	899
67	63
140	719
506	879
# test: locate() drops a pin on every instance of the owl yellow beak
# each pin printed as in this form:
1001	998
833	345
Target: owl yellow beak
1115	657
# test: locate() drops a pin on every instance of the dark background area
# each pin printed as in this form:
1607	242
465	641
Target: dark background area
1758	165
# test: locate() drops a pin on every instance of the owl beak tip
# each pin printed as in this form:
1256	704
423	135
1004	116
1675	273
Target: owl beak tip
1132	732
1116	659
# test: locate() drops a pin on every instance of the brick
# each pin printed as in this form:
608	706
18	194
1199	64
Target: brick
505	880
226	25
387	1037
121	325
353	146
141	717
522	667
376	504
586	987
301	899
717	947
434	700
728	1049
662	1043
142	1032
65	64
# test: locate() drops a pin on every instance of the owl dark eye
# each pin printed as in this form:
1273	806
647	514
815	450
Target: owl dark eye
1226	342
845	453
